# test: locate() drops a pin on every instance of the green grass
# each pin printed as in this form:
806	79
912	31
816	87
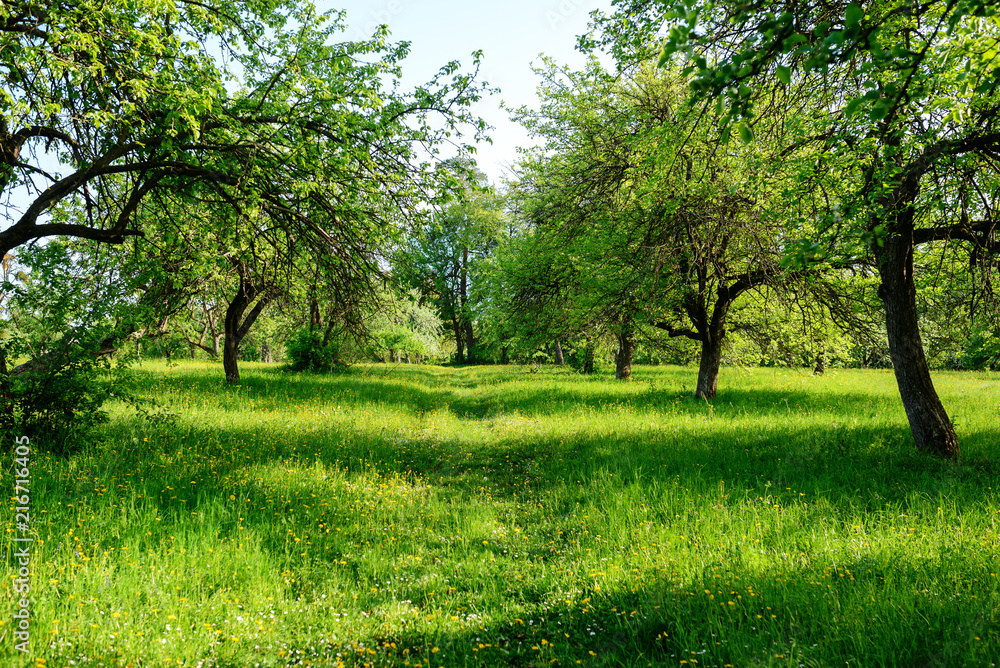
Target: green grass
492	517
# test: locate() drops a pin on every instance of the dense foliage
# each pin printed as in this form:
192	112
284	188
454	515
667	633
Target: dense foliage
752	184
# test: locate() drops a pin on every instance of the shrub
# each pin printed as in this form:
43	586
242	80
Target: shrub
59	402
981	351
306	352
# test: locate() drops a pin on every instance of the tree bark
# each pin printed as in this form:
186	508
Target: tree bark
626	350
708	368
459	339
932	430
929	423
470	340
821	360
230	360
466	319
315	318
237	326
559	354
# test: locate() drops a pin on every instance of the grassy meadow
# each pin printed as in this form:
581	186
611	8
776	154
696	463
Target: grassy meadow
496	516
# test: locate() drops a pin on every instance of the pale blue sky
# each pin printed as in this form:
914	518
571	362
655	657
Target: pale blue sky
511	35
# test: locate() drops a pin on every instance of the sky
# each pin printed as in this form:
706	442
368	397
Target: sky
511	35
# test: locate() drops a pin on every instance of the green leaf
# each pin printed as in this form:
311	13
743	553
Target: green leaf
746	134
852	106
784	74
854	15
879	110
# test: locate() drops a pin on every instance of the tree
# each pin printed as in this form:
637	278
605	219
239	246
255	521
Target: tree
443	260
295	143
650	222
405	330
58	310
913	126
127	98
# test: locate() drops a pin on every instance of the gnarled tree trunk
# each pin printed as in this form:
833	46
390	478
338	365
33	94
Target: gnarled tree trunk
929	423
236	325
559	354
708	369
626	350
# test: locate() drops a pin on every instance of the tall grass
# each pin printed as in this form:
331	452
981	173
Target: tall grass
492	516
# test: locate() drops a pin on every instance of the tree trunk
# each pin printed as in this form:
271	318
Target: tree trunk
821	360
504	359
470	340
236	325
708	369
929	423
559	354
231	360
588	356
315	318
463	295
138	349
266	355
932	430
459	340
623	358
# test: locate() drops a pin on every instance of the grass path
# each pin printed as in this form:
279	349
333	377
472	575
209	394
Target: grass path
491	516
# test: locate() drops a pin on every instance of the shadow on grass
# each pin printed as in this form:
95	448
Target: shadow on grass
483	392
866	468
857	470
775	618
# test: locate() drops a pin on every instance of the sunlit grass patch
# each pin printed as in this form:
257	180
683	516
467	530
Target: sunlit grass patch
495	516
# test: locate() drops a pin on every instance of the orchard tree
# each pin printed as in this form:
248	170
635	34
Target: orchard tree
651	221
531	291
912	125
443	259
106	101
299	143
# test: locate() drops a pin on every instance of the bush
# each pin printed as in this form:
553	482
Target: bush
306	352
59	402
981	351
